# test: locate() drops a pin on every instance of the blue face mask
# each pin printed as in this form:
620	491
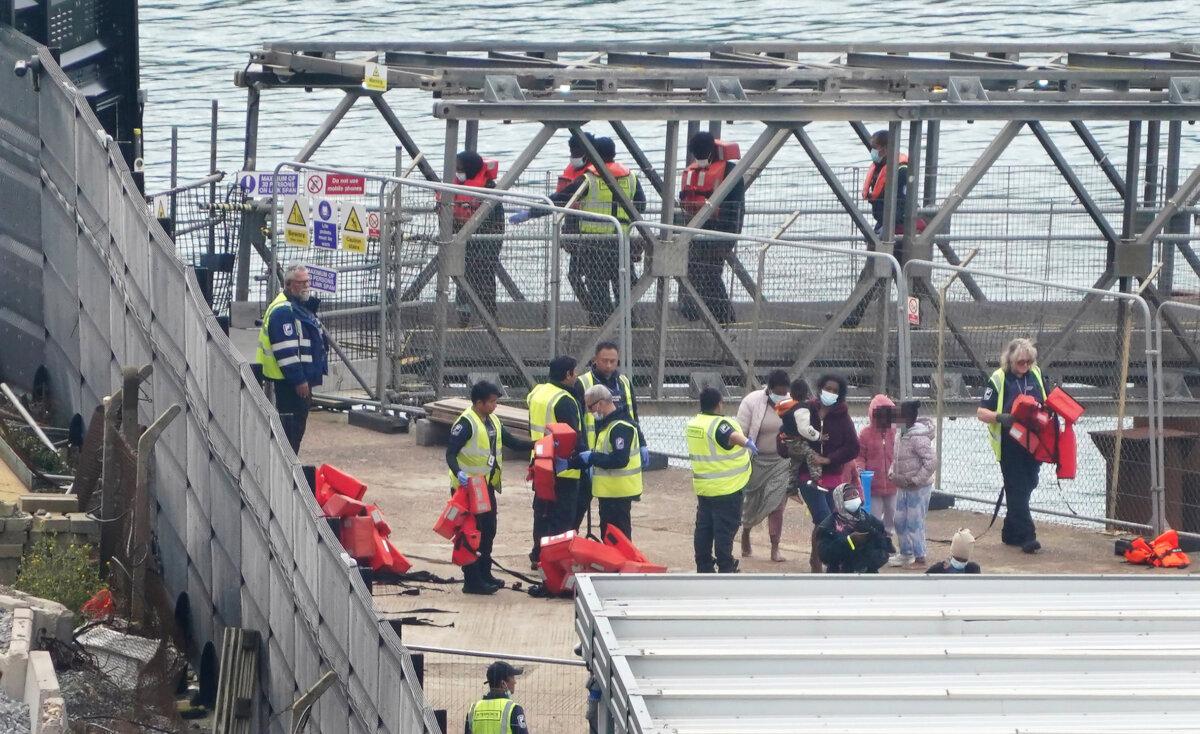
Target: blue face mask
957	565
876	156
828	399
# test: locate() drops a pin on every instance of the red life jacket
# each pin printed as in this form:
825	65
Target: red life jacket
464	204
1036	428
569	174
1162	552
699	183
876	179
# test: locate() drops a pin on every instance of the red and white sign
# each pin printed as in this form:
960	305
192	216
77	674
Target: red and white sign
336	184
914	311
373	225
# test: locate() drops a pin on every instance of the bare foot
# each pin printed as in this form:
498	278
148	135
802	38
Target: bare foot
776	555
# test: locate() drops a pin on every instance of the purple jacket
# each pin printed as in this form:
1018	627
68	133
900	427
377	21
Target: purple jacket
839	440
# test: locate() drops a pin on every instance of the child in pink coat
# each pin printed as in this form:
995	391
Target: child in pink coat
876	452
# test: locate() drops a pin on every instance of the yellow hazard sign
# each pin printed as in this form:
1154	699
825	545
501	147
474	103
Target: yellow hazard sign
374	77
354	235
295	223
162	209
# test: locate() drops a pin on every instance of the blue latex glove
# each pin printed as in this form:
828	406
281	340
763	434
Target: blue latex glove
752	447
560	466
463	478
524	215
645	456
585	457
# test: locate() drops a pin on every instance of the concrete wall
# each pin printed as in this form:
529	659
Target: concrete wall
91	283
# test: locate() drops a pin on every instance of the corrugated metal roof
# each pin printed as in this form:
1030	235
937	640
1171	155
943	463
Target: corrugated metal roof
763	654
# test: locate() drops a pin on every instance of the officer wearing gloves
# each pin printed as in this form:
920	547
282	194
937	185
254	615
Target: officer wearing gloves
615	460
496	712
720	455
554	402
474	450
292	351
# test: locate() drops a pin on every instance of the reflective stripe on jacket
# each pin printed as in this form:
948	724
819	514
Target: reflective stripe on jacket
542	401
716	471
623	482
587	379
291	344
492	716
599	199
479	456
997	380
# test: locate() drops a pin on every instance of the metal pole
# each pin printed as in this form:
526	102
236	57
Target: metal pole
933	139
250	147
140	512
663	300
212	187
1153	144
941	361
1170	186
888	246
28	418
446	234
174	174
327	125
410	145
381	359
241	283
109	477
1101	158
471	137
1132	162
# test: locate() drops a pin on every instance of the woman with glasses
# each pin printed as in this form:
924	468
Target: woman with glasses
1018	375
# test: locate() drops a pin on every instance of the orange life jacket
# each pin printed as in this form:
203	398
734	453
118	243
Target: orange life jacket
464	204
876	179
1162	552
569	174
699	183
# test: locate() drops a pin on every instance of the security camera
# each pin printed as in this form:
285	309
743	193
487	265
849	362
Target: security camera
21	68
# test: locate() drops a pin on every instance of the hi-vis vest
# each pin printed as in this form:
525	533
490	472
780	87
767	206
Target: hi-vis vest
997	381
876	180
492	716
542	401
271	367
478	458
587	379
716	471
599	199
625	481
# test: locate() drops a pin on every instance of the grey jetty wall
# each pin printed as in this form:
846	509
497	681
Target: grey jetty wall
91	283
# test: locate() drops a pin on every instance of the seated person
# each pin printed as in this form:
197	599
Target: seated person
960	555
851	540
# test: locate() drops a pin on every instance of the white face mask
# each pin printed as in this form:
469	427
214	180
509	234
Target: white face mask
852	506
828	399
958	565
776	398
876	155
459	176
577	162
702	162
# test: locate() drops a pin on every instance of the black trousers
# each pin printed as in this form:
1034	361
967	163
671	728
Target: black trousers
552	518
583	500
481	570
706	266
482	261
293	412
617	511
1020	479
717	521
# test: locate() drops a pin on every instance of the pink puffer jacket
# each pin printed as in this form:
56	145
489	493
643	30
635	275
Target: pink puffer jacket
916	458
876	449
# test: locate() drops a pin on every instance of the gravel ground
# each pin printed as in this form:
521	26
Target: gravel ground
14	716
5	628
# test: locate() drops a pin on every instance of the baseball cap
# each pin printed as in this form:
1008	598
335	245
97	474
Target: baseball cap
501	670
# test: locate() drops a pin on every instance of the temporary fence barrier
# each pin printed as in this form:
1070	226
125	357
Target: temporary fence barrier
1089	342
552	691
1177	332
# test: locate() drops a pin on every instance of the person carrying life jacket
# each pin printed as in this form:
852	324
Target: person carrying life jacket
1018	375
484	245
712	164
596	256
496	712
554	402
473	450
720	455
615	461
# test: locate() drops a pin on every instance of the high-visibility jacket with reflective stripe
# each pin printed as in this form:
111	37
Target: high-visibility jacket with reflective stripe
492	716
997	380
291	347
477	457
587	379
542	401
599	199
716	471
625	481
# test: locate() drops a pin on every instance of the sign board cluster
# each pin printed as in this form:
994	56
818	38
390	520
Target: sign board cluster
315	217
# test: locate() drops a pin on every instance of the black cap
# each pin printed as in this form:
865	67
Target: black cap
499	671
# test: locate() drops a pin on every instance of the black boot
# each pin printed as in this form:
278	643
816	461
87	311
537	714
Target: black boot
474	583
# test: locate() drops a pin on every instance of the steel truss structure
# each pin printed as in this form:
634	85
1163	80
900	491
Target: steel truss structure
786	86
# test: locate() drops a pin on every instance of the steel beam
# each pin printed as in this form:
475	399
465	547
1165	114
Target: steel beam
639	156
913	186
1170	186
844	197
933	141
610	181
445	236
663	299
864	135
813	347
331	121
714	326
493	328
398	129
1098	154
604	45
510	177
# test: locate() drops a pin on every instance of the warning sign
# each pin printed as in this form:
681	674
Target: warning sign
295	221
335	184
914	311
161	208
374	77
354	234
373	225
324	227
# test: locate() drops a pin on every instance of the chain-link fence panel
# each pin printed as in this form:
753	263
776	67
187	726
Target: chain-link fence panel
1177	329
1093	344
552	692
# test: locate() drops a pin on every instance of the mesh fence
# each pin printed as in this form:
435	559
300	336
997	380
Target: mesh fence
1178	332
1092	346
553	695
